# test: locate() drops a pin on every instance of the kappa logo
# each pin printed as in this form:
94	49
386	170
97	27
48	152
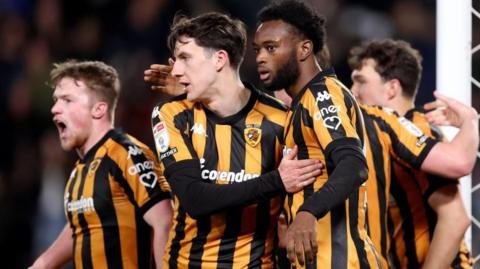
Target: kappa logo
134	150
332	122
156	112
198	129
322	96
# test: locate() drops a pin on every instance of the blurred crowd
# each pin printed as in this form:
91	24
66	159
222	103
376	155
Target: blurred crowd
130	35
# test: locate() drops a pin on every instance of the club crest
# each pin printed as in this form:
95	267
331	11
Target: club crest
252	136
93	166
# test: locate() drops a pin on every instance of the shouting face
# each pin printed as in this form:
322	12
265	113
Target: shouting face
72	112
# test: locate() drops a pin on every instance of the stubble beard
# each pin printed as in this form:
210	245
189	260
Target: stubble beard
286	75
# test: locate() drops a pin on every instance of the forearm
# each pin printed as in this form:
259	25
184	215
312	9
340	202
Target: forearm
466	142
200	198
160	237
59	253
443	247
452	222
349	173
159	217
461	151
456	158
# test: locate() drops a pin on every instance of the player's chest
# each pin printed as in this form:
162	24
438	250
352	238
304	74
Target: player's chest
91	188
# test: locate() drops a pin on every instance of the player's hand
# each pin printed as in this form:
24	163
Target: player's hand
296	174
161	79
448	111
302	238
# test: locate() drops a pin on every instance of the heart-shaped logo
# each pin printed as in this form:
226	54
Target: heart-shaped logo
332	122
148	179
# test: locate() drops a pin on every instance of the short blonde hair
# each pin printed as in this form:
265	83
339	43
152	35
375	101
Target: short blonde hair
99	77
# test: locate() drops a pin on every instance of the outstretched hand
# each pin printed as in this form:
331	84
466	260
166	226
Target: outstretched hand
448	111
160	79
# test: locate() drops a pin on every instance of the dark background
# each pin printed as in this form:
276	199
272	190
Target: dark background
131	35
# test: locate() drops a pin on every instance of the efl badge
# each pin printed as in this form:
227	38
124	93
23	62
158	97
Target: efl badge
410	126
160	134
252	136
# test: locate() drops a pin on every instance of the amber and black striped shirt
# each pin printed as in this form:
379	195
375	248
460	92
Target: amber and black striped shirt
389	137
231	150
323	118
110	189
411	219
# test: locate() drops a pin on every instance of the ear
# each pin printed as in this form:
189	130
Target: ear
99	110
305	49
394	88
221	59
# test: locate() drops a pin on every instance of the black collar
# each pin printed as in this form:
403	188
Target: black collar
91	152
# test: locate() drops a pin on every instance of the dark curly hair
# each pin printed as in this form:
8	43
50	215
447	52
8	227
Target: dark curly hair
395	59
304	19
212	30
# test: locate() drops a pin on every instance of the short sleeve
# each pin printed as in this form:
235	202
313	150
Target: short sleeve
408	142
144	182
170	130
335	115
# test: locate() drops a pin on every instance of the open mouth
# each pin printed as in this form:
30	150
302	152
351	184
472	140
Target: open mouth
264	74
61	126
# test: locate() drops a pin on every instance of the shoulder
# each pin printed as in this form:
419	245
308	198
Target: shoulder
264	98
326	90
417	116
125	147
378	111
172	106
270	101
272	109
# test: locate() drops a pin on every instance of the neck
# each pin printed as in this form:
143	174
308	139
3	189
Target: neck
229	95
99	130
308	69
402	105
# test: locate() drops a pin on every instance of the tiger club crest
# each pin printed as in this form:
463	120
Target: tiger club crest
93	166
252	135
